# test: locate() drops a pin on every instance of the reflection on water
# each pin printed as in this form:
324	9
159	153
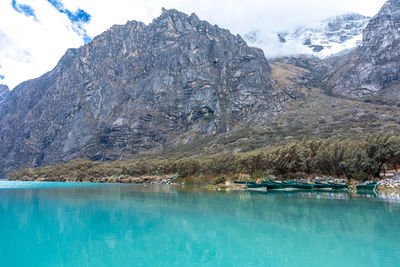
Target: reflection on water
390	196
130	225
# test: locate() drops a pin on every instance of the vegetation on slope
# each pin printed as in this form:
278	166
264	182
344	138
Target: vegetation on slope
317	115
358	160
316	135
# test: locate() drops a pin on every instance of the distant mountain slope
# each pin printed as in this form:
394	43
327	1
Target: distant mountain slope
373	70
328	37
137	87
317	115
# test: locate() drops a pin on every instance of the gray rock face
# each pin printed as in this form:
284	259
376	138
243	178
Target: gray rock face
137	87
374	68
3	91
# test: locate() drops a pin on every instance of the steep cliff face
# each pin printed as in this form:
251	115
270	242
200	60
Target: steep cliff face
137	87
374	68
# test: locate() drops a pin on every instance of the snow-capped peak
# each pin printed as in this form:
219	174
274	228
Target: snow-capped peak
328	37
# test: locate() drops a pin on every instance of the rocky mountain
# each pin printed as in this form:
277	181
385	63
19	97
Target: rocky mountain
372	71
325	38
3	91
180	86
138	87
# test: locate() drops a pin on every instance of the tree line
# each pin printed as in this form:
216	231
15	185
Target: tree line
352	159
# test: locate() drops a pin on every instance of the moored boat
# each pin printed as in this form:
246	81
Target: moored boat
367	187
318	185
275	186
272	185
293	185
288	185
244	182
339	186
302	186
255	185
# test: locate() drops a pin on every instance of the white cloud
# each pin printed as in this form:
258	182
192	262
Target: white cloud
29	48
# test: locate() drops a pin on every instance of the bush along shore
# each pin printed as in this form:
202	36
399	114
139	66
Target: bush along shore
353	160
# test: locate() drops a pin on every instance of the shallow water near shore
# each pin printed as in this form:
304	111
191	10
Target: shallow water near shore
67	224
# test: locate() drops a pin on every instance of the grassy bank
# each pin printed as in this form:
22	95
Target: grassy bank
359	160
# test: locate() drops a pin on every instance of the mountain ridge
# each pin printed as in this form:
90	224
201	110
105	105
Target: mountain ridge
136	87
181	86
371	72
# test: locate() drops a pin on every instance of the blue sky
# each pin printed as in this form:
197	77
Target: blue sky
23	9
78	18
34	34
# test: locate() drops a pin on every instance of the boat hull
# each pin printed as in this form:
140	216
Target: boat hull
275	186
320	186
368	187
255	185
303	186
243	182
339	186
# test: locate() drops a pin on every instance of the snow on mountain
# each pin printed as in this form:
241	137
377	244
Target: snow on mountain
325	38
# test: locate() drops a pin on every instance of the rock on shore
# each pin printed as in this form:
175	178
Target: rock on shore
123	179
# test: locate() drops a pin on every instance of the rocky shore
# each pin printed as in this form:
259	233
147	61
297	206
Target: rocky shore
386	183
123	179
389	183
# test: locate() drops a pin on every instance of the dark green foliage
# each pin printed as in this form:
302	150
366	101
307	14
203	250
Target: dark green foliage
359	160
220	180
394	161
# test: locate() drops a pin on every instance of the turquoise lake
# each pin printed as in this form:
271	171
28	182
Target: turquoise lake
66	224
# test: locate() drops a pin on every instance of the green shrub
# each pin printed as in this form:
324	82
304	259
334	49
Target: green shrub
361	160
220	180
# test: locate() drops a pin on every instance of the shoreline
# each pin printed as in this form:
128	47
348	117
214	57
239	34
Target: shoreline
103	180
386	184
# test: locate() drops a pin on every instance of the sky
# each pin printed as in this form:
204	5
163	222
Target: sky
34	34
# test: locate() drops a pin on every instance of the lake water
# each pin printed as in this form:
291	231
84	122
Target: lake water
65	224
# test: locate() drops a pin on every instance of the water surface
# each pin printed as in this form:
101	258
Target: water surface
65	224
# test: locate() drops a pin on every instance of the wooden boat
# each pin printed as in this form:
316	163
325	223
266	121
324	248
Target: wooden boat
272	185
322	186
275	186
255	185
367	187
289	185
283	182
339	186
244	182
302	186
293	185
